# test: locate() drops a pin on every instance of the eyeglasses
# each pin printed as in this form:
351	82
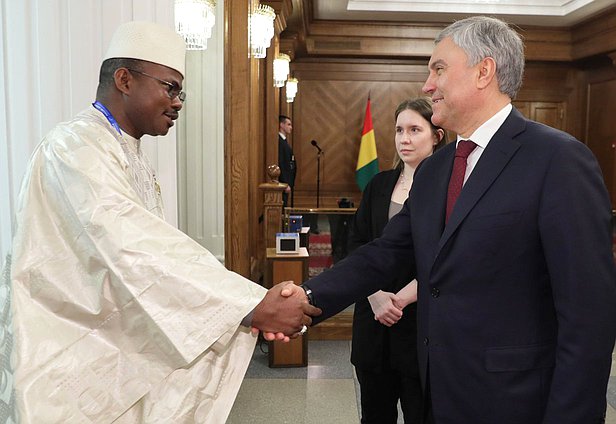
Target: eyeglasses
173	90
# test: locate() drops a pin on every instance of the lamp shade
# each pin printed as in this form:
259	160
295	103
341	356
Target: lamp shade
261	30
291	89
281	69
194	20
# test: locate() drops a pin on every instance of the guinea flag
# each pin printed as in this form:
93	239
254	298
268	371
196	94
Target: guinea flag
367	161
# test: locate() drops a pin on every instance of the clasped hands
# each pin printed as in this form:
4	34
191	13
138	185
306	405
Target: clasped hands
283	312
387	307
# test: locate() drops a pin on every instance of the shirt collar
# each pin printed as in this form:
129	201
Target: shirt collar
482	135
284	137
134	143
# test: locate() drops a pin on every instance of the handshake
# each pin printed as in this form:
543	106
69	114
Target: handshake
284	313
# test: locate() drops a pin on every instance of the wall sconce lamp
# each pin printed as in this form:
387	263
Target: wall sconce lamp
261	30
194	20
281	69
291	89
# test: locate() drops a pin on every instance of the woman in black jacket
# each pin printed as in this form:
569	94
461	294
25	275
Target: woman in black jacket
384	350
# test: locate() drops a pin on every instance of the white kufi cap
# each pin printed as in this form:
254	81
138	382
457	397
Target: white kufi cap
148	41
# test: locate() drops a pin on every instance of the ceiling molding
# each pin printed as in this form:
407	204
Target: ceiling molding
596	36
499	7
283	9
557	13
313	37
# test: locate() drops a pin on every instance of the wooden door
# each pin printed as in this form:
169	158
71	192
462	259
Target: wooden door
549	113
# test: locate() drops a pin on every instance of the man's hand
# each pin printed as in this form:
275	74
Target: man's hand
282	315
291	289
384	307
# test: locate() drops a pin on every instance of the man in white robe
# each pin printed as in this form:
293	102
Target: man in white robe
116	315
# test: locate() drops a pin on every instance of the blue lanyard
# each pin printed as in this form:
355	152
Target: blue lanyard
102	109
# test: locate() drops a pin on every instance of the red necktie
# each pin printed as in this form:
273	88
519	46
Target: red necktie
465	147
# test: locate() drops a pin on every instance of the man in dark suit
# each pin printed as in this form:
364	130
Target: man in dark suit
286	159
517	284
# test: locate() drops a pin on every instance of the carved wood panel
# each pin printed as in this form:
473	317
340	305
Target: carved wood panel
549	113
601	132
332	113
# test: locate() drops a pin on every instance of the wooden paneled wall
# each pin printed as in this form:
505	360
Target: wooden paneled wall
599	114
330	108
251	113
243	139
331	103
595	42
561	88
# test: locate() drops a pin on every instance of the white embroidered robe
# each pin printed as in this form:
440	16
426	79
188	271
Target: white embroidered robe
117	315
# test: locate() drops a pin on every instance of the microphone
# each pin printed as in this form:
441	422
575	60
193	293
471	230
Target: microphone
314	143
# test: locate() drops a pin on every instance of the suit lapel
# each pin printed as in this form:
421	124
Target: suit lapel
497	154
433	210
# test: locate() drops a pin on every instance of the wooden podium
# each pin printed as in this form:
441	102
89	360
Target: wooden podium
283	268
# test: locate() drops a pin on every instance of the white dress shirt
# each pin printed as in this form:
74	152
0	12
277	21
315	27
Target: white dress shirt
482	136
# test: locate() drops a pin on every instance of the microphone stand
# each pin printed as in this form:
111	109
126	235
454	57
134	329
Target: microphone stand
319	176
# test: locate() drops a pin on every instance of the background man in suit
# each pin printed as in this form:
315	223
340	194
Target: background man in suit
286	159
517	283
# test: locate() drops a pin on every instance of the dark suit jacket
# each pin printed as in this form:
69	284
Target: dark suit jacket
517	293
374	344
286	162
